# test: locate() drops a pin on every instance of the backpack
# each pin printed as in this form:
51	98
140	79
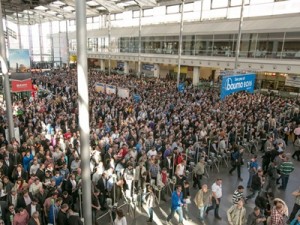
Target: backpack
232	156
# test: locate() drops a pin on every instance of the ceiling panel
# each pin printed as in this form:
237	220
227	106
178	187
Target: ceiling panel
46	10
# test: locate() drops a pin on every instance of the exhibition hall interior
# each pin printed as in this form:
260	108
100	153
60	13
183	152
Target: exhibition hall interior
150	112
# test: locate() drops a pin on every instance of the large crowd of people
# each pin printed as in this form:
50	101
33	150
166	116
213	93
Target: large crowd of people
144	144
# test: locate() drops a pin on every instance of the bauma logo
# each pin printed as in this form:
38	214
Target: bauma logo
229	85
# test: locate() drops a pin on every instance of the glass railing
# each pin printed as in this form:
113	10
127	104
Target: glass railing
209	52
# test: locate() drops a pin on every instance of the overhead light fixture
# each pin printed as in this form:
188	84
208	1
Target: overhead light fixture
58	3
40	7
101	8
92	3
68	8
52	13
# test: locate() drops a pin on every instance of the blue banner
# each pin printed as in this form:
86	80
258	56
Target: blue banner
235	83
148	67
181	87
136	98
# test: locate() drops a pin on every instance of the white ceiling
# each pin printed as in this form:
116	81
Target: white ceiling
38	11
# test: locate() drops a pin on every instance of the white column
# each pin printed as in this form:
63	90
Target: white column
102	64
156	70
126	67
196	75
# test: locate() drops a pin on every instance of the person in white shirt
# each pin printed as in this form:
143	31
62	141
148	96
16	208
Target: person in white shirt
151	153
216	198
35	166
120	219
35	187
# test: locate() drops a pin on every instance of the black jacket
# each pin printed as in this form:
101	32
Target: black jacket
256	182
62	218
74	220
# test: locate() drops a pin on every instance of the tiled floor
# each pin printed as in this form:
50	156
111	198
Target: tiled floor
230	183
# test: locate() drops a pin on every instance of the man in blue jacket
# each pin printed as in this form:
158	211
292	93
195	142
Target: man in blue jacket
54	209
177	204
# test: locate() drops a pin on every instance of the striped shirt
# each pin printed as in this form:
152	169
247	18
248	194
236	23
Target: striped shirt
237	196
286	168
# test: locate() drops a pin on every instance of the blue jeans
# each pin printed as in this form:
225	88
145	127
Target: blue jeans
202	210
284	180
150	212
178	211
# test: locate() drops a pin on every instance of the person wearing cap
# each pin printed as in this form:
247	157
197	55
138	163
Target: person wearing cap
278	212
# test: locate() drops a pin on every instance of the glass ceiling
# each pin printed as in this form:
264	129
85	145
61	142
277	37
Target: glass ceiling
38	11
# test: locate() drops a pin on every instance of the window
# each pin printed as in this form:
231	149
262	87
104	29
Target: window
89	20
119	16
239	2
216	4
147	12
189	7
292	45
136	14
96	19
173	9
72	23
112	17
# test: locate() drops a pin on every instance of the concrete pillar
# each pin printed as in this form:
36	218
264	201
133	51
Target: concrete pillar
126	67
156	71
217	75
196	75
102	64
275	48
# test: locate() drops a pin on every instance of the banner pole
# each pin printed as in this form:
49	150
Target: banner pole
4	66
